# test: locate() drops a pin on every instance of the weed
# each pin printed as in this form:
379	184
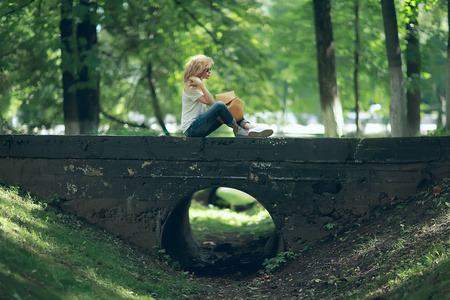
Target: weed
271	264
441	201
53	199
330	226
399	244
403	230
167	259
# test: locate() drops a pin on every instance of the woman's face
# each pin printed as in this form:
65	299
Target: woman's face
206	73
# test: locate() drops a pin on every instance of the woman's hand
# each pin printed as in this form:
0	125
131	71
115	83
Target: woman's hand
195	81
207	98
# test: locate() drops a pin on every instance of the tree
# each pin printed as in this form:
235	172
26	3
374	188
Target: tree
87	85
357	56
29	84
136	33
413	66
255	51
156	106
68	55
397	108
79	63
447	113
329	93
295	73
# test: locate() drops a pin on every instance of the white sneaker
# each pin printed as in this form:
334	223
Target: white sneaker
260	132
241	132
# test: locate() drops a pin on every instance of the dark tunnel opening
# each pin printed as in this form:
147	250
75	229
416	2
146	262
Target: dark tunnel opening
208	235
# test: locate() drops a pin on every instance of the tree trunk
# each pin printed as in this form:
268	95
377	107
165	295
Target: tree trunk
441	121
329	94
447	98
413	64
88	89
2	131
67	68
397	108
156	107
356	71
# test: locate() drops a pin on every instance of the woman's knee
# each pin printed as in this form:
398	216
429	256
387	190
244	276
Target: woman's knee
220	105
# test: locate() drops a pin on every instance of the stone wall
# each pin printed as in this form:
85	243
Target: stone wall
140	187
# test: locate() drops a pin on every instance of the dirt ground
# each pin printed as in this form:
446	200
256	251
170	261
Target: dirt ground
355	264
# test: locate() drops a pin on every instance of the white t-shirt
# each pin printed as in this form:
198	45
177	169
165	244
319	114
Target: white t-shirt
190	107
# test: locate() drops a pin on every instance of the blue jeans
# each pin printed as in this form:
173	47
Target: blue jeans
207	122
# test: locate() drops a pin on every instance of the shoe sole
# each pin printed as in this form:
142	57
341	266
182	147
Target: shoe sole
264	133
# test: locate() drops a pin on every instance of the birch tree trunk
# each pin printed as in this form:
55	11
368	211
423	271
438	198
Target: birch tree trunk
447	87
357	55
330	102
397	107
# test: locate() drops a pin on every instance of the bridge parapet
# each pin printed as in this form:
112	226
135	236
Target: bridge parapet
140	187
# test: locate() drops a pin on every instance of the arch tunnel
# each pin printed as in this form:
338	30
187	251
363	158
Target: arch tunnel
181	244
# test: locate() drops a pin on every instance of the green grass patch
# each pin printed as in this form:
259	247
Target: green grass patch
207	221
46	254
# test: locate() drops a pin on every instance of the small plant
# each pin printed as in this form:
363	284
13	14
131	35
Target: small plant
52	199
330	226
441	201
404	230
271	264
164	257
168	260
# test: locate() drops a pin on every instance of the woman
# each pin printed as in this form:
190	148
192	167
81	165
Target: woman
196	121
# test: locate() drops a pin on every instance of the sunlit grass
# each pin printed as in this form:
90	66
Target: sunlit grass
45	254
210	220
416	256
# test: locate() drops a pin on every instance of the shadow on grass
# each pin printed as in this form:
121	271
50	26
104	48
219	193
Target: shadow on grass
45	254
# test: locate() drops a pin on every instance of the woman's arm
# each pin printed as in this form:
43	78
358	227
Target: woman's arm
207	98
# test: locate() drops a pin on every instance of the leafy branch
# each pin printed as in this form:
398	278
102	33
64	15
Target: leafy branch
17	9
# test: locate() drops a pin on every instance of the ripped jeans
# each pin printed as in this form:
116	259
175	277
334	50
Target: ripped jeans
207	122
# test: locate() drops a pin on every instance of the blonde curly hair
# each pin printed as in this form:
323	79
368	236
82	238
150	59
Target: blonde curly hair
196	66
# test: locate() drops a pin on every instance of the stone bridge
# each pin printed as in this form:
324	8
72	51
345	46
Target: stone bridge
140	187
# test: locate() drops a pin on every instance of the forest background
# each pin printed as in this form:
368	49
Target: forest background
108	66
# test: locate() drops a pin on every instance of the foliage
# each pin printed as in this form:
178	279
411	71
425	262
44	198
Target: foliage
213	221
234	197
264	50
440	132
29	85
46	254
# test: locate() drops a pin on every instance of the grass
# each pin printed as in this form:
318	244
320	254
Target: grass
46	254
408	257
213	221
402	253
424	274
